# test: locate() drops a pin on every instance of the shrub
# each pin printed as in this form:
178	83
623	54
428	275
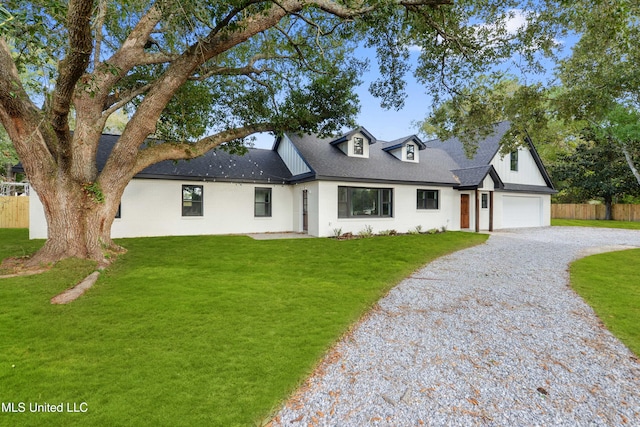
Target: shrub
416	230
366	232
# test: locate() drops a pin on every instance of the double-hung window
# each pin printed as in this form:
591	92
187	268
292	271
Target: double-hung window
358	146
192	200
428	199
411	152
514	160
262	207
354	202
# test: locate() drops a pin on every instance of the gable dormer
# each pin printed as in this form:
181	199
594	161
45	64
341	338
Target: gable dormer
406	149
355	143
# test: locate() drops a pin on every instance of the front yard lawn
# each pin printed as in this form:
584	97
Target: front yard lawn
610	284
631	225
184	331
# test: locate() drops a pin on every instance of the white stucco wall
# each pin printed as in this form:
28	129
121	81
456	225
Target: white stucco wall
37	221
154	208
406	216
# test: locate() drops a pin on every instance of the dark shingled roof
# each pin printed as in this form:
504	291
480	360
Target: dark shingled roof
441	162
471	176
487	148
529	188
329	162
258	165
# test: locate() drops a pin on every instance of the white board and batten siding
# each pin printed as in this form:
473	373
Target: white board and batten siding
291	158
527	173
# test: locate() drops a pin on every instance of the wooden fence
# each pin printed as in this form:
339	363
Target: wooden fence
619	212
14	212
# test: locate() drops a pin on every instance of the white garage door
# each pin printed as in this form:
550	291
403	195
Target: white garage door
521	211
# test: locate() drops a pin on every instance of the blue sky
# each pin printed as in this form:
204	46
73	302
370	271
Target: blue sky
388	125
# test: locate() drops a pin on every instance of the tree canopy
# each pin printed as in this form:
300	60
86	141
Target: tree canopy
588	108
200	75
595	169
601	71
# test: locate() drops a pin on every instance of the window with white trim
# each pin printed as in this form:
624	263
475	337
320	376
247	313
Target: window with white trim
411	152
358	146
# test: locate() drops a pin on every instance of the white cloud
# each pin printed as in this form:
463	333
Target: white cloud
517	20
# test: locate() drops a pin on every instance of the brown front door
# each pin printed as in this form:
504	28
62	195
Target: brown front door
464	211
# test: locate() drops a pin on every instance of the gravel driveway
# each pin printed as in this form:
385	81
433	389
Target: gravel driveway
489	336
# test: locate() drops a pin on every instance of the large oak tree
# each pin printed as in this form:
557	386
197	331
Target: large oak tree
200	75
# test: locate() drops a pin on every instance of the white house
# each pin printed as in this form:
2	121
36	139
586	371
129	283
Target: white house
318	186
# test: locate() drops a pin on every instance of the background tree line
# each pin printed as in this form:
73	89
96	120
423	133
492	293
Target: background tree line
585	121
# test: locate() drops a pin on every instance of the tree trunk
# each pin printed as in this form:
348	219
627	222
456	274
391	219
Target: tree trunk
79	219
630	163
608	206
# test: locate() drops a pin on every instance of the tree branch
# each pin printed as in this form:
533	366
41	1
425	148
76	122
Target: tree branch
301	57
21	118
247	70
184	151
102	13
72	66
629	160
350	12
130	53
118	100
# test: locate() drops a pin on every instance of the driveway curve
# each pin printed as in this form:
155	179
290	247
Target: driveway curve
489	336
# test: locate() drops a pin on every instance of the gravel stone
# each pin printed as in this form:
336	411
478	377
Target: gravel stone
488	336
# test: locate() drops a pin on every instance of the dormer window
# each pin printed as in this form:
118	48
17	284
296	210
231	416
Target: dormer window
411	153
358	146
405	149
355	143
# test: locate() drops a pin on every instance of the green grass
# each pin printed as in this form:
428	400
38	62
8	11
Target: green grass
183	331
14	242
631	225
609	284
